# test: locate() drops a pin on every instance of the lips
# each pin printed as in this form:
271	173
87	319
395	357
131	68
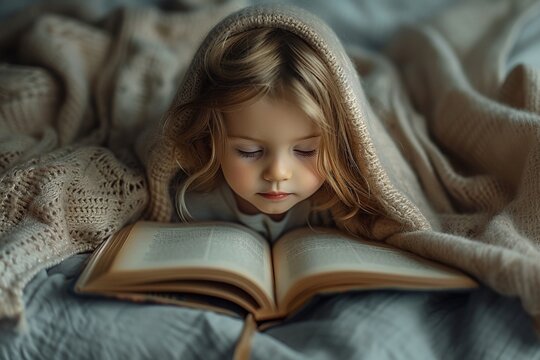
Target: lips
275	195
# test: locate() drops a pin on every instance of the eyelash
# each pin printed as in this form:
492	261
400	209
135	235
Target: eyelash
248	154
252	154
310	153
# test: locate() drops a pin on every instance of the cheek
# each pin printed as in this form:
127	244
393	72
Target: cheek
311	180
238	174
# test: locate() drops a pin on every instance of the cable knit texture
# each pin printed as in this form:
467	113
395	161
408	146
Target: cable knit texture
448	137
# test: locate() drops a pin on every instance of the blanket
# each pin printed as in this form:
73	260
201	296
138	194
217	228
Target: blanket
76	91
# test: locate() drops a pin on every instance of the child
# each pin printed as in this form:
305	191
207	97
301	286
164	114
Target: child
270	128
271	138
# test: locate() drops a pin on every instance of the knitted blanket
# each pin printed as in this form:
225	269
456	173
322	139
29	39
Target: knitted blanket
455	133
76	88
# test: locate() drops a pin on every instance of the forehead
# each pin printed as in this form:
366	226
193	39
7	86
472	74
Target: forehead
269	119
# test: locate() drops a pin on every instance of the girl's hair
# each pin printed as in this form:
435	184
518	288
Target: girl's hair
275	63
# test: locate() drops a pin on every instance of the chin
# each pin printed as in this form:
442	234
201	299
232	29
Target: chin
274	211
277	212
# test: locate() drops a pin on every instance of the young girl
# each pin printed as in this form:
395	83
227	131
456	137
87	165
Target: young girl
270	129
271	138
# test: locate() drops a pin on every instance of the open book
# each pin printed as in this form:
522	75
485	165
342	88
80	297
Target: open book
231	268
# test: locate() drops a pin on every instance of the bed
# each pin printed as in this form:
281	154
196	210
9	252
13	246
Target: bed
478	324
385	324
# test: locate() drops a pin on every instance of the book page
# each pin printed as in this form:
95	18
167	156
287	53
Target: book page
306	252
213	245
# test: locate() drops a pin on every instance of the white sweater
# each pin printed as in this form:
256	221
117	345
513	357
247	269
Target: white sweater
219	204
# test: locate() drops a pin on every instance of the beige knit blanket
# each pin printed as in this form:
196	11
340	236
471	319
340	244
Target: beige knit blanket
77	91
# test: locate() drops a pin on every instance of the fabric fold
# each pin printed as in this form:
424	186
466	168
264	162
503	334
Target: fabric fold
449	136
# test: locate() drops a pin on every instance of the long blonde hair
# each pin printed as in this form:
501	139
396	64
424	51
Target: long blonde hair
275	63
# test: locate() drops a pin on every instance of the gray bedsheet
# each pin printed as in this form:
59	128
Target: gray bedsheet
363	325
379	325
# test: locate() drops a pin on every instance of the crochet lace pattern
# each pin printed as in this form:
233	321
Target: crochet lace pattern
59	204
70	114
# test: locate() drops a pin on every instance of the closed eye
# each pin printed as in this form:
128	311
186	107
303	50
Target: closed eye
248	154
309	153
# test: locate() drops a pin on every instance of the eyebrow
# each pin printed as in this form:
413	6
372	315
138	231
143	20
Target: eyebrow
260	140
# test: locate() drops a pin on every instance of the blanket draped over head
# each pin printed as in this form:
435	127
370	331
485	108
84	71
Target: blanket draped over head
449	138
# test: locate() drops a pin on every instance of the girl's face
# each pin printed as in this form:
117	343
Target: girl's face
270	157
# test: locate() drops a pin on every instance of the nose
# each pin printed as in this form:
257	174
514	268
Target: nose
277	169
